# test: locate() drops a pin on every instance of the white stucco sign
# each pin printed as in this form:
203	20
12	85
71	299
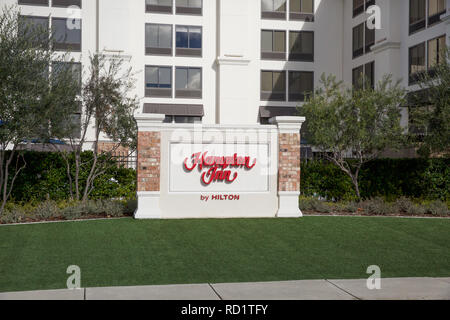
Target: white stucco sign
211	171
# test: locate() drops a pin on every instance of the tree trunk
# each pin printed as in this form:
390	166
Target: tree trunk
356	185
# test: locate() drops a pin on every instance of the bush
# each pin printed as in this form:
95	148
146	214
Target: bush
437	208
77	210
386	178
13	215
45	178
377	206
46	210
312	204
74	211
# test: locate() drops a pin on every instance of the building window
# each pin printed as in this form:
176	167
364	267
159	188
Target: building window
363	39
436	52
273	9
158	6
35	29
369	40
369	73
273	85
188	82
189	7
363	76
66	3
182	119
301	46
301	10
358	40
358	7
158	81
417	63
74	67
66	34
273	44
436	8
189	41
416	15
74	121
301	84
357	75
34	2
158	39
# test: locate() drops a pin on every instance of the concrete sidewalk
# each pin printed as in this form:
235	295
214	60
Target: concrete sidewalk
391	289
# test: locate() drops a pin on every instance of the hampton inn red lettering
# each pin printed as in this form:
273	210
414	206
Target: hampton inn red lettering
217	166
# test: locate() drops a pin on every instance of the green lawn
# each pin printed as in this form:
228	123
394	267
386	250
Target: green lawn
129	252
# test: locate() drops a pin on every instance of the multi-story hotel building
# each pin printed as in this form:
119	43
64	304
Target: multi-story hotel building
244	61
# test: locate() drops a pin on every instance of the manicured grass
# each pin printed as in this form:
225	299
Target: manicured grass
128	252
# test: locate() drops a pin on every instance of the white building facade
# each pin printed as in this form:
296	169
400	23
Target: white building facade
242	62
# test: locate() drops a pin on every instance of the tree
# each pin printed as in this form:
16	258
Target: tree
360	121
431	114
27	98
108	109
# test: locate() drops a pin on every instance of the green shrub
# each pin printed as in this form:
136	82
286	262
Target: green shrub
386	178
13	215
114	208
437	208
405	205
312	204
46	210
73	212
45	177
77	210
377	206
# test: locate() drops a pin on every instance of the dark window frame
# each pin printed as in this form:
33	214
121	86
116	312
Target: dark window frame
300	96
277	15
273	95
357	52
38	43
189	10
362	70
151	8
159	50
64	46
274	55
366	46
40	3
158	92
189	52
301	15
189	93
435	18
413	77
66	3
439	50
306	57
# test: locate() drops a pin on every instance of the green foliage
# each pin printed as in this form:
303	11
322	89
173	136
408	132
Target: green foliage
432	112
45	178
375	206
50	210
363	121
387	178
46	210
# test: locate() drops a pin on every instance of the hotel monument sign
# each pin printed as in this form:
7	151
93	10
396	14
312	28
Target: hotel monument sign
216	171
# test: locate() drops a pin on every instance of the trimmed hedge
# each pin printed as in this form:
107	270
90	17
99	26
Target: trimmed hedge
388	178
45	178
